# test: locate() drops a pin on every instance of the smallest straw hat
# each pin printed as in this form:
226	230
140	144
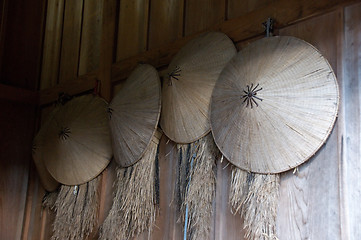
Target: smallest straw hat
274	105
48	182
134	115
76	141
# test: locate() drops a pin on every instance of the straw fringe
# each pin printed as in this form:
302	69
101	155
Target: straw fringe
134	205
184	153
238	189
76	211
201	181
260	207
49	200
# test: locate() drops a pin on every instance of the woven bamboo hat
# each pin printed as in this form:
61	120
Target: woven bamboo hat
274	105
76	142
135	114
48	182
187	92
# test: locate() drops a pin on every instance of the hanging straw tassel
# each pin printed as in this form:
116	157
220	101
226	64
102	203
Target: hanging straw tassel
136	198
239	189
184	164
198	196
76	211
49	200
256	196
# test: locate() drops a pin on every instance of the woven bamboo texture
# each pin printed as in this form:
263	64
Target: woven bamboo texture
135	114
77	145
187	91
274	105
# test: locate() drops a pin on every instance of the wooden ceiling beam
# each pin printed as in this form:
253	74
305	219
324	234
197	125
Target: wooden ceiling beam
284	12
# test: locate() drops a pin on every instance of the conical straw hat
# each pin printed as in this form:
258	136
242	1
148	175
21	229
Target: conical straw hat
48	182
187	92
135	114
76	142
274	105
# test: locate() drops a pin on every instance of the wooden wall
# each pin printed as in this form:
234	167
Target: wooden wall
320	201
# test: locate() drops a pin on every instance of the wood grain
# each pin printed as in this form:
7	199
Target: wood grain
104	75
90	36
309	200
205	13
69	60
237	8
76	86
167	225
166	22
16	124
351	157
238	29
32	227
226	225
52	44
21	43
132	28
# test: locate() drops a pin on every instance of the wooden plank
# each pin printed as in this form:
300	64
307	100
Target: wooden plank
78	85
52	44
90	36
32	227
22	43
351	104
3	23
309	202
132	28
166	22
226	225
236	8
167	225
19	95
238	29
104	76
158	58
203	15
285	12
16	124
71	41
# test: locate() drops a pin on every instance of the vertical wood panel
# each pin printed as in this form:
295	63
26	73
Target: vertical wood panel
52	44
104	75
226	225
309	200
133	28
351	164
166	22
69	58
167	225
33	212
22	43
16	124
204	14
90	36
237	8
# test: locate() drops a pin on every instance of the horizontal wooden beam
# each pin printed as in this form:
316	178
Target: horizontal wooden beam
81	84
284	12
18	95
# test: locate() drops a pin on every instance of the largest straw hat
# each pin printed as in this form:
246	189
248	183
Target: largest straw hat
187	92
135	113
76	142
274	105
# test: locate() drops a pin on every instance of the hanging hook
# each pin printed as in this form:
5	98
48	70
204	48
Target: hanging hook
268	25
